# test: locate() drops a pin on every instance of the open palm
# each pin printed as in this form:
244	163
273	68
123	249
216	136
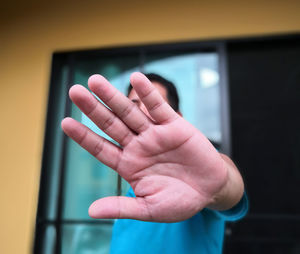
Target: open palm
173	169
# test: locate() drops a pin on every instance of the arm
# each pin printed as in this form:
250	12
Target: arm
232	191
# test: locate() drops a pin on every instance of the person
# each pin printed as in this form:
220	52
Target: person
182	189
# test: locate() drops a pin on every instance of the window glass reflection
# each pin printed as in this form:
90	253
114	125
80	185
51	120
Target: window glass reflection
86	239
196	77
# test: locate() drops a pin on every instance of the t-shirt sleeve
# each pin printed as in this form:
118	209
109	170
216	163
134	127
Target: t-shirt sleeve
130	193
235	213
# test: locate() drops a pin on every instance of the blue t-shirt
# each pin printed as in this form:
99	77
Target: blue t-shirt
201	234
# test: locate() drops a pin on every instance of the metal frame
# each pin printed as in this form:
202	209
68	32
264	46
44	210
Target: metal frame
224	96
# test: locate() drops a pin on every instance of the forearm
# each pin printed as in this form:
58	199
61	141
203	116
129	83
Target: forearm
232	192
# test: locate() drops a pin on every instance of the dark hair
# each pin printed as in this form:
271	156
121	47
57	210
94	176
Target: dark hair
172	94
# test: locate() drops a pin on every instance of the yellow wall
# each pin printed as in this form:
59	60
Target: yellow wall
30	32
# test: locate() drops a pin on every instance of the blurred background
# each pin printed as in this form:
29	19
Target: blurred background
236	66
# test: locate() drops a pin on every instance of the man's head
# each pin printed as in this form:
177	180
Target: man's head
164	86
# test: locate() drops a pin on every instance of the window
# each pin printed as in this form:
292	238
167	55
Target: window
71	178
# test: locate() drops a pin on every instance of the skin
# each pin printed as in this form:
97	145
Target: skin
133	96
173	169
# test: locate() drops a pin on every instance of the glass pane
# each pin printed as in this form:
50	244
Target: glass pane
86	239
49	239
196	77
86	178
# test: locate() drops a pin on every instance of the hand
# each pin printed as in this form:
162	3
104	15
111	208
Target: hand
173	169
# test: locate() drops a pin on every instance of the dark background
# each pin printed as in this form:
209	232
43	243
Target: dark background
264	81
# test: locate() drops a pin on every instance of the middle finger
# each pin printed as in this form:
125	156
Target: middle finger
123	107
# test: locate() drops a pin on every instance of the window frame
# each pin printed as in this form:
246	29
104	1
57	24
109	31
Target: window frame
67	60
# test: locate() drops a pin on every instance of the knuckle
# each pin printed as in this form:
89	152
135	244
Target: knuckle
81	139
125	139
98	148
108	122
93	109
156	105
127	110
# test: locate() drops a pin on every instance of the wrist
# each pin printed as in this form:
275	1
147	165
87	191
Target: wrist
231	192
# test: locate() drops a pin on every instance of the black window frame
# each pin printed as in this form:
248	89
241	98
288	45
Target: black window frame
68	59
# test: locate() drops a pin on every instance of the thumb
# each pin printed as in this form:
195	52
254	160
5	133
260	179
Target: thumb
120	207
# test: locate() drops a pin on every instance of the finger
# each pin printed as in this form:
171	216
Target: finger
124	108
100	115
157	107
103	150
120	207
